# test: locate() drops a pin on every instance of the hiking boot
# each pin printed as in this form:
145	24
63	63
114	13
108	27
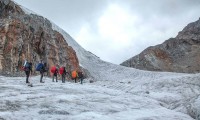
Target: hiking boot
31	85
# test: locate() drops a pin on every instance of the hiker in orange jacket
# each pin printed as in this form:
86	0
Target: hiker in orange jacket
74	75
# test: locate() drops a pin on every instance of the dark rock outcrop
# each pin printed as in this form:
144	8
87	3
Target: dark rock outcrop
29	36
179	54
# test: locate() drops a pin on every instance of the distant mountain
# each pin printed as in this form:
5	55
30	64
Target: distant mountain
24	35
179	54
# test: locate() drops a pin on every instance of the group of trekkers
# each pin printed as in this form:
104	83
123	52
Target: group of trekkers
55	70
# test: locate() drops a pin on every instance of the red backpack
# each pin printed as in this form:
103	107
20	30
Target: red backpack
53	69
61	70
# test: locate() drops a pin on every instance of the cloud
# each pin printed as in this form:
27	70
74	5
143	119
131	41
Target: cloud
113	33
114	26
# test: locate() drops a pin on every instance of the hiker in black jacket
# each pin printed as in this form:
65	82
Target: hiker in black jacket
80	76
28	70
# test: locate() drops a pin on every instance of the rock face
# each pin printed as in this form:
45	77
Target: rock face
179	54
31	37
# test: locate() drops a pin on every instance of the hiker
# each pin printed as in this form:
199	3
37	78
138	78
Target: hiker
68	75
43	70
54	70
63	73
46	68
74	75
28	70
41	67
80	76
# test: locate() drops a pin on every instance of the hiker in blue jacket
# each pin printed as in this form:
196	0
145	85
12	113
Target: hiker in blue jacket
41	67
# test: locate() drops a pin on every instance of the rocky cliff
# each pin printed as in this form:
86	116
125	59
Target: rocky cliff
31	37
179	54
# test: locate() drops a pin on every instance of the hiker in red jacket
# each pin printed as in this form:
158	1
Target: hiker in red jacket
63	72
54	70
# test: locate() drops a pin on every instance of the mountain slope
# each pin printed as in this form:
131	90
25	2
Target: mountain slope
30	37
179	54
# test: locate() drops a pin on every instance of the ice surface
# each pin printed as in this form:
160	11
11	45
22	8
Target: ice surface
75	101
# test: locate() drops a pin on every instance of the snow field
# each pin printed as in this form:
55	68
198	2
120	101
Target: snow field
73	101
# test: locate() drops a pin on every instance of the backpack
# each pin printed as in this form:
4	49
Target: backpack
27	66
74	74
61	70
39	67
53	69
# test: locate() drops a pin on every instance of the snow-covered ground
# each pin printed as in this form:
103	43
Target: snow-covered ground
118	93
89	101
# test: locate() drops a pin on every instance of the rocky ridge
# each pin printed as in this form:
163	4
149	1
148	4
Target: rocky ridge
179	54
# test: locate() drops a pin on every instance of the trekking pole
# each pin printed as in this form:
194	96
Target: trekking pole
44	78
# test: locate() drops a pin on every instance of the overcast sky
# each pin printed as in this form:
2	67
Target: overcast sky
116	30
